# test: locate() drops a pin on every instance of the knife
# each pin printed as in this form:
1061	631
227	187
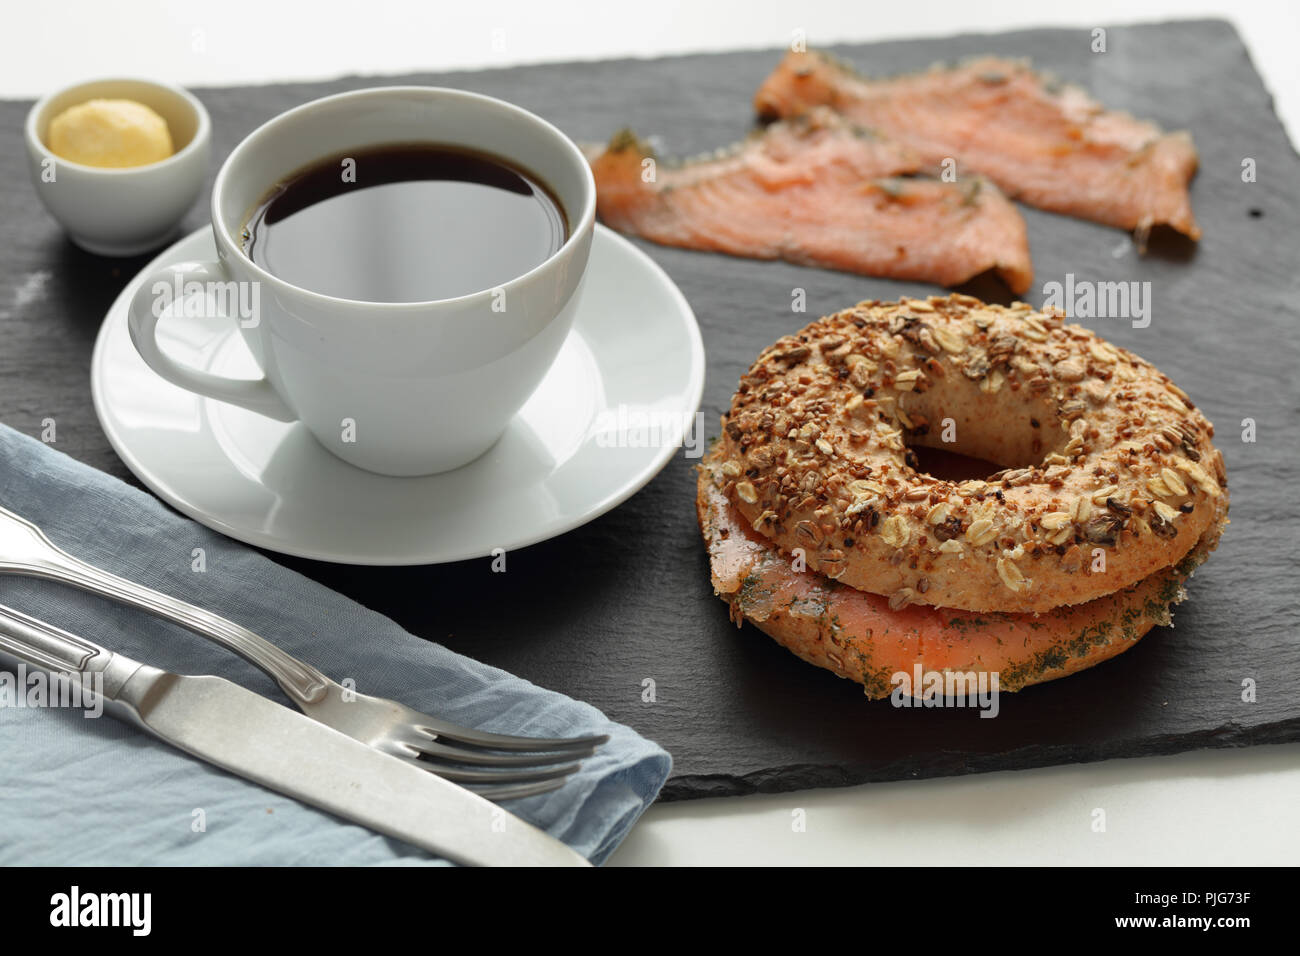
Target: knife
269	744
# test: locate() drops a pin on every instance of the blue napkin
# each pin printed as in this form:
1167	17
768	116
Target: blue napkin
84	791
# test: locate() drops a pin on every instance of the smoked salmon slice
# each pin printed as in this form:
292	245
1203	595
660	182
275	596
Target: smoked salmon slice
858	636
1047	144
817	190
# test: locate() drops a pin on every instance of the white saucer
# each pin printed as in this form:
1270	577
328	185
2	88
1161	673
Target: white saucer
635	347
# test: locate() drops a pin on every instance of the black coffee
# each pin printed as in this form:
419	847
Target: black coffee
406	222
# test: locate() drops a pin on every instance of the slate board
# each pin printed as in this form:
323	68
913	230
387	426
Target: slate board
627	597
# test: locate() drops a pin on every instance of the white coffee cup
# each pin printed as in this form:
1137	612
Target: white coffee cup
396	388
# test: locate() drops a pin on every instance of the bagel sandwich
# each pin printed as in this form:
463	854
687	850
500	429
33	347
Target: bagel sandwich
824	532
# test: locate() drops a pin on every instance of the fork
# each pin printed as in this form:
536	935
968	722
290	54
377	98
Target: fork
497	766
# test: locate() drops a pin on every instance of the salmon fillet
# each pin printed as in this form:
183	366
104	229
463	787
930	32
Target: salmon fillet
858	636
1046	144
820	191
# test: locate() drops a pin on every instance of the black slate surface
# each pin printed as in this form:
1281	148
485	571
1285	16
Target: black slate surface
626	598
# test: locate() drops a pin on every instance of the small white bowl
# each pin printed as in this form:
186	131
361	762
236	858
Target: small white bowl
122	212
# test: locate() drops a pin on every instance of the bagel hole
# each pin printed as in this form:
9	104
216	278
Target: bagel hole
974	444
989	287
952	466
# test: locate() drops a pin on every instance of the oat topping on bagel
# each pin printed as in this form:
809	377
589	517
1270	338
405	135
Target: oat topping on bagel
1109	472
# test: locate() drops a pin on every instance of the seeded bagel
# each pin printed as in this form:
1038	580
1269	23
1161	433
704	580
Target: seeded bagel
1109	472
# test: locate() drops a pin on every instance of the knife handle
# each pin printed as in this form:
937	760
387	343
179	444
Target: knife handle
24	549
32	642
44	646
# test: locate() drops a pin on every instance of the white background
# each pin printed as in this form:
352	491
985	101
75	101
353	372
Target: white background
1216	807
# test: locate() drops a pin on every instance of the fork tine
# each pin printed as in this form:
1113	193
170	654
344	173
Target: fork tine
521	790
458	775
438	751
484	738
527	785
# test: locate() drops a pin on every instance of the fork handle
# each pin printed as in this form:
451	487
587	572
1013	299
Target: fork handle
302	682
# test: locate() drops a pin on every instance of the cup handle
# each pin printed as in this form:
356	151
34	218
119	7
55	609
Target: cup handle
257	395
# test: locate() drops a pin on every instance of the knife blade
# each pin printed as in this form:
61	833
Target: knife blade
255	738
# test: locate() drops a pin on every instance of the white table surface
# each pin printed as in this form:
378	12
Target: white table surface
1229	807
